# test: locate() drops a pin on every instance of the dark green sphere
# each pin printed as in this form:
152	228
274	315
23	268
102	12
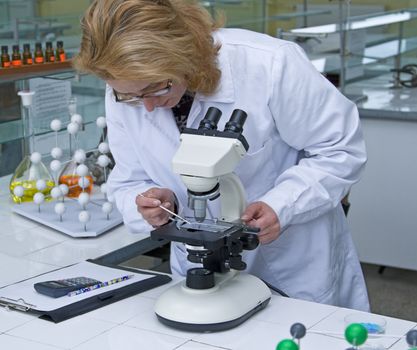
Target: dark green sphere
287	344
356	334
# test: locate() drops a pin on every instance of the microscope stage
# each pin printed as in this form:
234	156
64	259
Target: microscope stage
210	234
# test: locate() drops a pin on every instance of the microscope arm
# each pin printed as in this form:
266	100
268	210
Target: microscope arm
233	200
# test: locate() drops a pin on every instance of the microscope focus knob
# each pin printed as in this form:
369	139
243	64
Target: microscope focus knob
200	278
249	241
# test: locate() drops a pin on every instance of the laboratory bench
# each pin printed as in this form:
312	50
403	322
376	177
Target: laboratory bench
383	216
28	249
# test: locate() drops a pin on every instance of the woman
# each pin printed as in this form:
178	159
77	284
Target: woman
165	63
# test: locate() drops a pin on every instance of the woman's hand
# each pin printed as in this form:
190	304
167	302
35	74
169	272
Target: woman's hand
261	215
148	205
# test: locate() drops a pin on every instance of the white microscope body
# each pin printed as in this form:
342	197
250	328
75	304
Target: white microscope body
209	301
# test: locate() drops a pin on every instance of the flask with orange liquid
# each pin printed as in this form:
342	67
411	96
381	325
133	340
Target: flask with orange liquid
70	178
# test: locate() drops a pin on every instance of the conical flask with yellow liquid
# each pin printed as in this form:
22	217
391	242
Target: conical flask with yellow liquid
33	176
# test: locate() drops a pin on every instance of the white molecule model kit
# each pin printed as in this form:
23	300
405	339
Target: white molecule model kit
64	198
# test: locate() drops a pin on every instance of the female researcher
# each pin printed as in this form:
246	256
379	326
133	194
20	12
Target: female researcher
306	147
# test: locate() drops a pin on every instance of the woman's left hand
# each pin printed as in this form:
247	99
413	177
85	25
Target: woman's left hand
261	215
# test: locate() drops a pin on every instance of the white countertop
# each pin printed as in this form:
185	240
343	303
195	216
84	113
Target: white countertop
383	101
28	249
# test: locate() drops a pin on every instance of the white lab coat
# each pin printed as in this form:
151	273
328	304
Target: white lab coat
305	151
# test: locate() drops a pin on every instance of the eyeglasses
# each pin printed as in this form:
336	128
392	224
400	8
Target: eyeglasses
135	100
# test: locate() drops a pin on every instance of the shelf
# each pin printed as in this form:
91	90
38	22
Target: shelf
209	3
292	15
372	54
34	70
390	48
11	130
90	107
283	17
360	22
384	102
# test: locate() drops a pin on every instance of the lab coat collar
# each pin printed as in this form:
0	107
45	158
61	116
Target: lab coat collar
225	92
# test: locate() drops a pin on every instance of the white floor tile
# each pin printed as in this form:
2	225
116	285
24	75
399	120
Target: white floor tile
322	342
262	335
400	345
250	335
335	323
75	250
66	334
12	223
10	319
149	321
16	269
12	343
288	311
192	345
23	242
129	338
156	292
123	310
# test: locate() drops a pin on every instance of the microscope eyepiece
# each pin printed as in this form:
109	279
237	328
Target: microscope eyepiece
211	119
236	121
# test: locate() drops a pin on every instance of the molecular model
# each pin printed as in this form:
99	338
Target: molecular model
355	334
69	183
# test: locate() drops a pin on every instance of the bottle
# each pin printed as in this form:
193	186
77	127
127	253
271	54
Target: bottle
16	56
60	53
38	53
49	52
5	58
27	55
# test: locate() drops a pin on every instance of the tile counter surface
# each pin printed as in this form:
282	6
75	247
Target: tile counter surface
28	249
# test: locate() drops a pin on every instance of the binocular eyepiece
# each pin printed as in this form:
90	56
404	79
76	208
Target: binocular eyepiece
212	117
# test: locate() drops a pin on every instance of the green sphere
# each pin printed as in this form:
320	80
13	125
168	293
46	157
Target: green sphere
287	344
356	334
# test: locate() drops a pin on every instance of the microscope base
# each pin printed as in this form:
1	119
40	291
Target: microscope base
234	298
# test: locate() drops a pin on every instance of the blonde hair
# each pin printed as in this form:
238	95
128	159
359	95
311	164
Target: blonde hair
150	40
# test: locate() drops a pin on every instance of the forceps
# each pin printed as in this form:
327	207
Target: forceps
169	211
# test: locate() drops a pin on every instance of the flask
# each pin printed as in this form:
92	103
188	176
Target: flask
60	53
27	55
38	53
27	174
70	178
5	58
16	56
49	52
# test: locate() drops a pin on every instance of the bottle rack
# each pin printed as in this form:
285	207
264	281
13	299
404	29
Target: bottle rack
35	70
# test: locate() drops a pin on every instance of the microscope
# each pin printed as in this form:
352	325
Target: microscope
216	295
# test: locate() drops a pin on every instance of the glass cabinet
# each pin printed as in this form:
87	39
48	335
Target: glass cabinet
345	44
59	93
345	49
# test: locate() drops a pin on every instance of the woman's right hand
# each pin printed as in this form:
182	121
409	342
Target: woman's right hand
148	205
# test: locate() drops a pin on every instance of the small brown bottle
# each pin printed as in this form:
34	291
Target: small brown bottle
49	52
27	55
60	53
5	58
16	56
38	53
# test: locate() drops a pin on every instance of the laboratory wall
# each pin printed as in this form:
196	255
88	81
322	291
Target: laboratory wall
32	21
